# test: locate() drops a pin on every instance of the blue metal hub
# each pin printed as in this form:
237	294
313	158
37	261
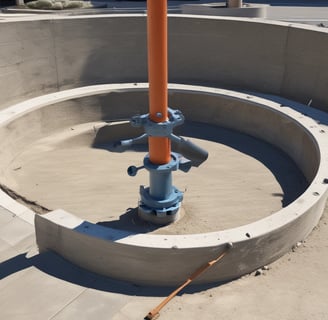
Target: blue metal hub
160	199
160	202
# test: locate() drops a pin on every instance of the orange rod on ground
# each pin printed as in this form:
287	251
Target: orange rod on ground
155	312
159	147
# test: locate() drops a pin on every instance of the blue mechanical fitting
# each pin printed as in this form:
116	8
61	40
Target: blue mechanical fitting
158	129
160	202
161	195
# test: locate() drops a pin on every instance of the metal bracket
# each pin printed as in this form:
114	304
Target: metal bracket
158	129
190	153
180	163
160	202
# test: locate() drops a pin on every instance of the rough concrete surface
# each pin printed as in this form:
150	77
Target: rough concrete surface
276	57
257	243
64	171
44	286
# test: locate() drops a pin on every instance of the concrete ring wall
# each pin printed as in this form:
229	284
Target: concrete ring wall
42	54
163	259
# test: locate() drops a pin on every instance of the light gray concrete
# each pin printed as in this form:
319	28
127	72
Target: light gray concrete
269	57
307	305
43	290
220	9
10	231
299	136
308	15
272	11
296	283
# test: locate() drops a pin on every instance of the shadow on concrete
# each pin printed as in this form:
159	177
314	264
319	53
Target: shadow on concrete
55	266
285	171
288	175
130	221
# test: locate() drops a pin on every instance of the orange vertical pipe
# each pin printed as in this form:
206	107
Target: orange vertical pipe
159	147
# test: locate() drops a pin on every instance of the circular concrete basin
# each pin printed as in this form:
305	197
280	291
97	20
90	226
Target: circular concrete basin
74	169
274	59
266	146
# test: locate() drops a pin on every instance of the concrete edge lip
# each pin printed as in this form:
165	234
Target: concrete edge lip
247	10
264	240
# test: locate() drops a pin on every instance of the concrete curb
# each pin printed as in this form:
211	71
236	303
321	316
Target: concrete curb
217	9
168	260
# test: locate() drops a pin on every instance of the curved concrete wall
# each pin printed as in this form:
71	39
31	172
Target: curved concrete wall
241	115
169	259
41	55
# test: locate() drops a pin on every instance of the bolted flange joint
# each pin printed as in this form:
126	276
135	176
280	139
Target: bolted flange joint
158	129
160	202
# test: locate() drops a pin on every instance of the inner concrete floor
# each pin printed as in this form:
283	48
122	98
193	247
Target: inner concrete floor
45	286
243	180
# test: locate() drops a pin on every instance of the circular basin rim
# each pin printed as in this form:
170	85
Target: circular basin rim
287	215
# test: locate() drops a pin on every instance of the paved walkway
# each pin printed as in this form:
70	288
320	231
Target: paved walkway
44	286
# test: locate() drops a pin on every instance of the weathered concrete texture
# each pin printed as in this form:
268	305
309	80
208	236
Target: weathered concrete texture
66	170
260	68
57	165
109	52
219	9
44	54
27	60
294	288
296	283
173	256
306	61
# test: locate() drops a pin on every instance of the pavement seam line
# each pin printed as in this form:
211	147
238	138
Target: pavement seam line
67	304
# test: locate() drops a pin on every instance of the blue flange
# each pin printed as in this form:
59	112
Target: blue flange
161	201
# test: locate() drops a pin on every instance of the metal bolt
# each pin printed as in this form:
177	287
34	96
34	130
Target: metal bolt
133	170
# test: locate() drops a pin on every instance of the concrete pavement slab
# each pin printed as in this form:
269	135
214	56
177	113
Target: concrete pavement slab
5	216
120	316
26	245
41	288
138	308
10	244
20	269
6	251
15	231
93	304
28	216
36	295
